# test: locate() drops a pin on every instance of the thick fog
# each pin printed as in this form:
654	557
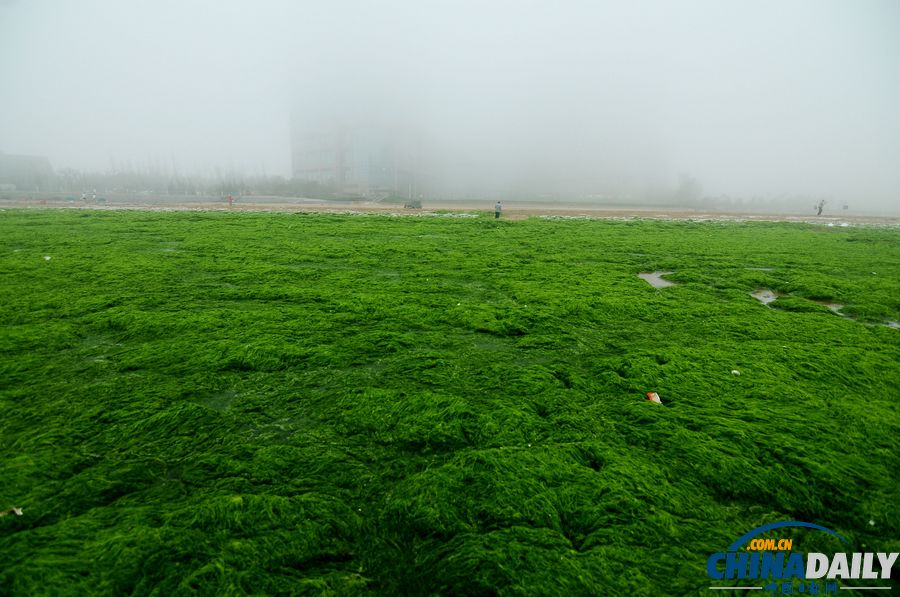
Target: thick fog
745	99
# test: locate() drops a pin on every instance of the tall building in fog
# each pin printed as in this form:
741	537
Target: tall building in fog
24	172
372	161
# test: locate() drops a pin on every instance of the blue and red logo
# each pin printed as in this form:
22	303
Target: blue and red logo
754	563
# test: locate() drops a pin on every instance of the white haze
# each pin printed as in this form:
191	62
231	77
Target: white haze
766	98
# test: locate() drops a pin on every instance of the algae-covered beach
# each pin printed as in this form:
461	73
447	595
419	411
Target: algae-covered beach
270	403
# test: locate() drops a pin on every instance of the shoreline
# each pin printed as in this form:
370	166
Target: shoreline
514	211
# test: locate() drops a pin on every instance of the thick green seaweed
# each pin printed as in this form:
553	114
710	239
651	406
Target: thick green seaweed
262	403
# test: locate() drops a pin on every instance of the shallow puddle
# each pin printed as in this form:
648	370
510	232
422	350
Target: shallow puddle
764	295
655	279
835	307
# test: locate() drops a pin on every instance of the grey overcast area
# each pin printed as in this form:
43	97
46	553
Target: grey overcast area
618	101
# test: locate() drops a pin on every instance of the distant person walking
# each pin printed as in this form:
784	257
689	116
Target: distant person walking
497	209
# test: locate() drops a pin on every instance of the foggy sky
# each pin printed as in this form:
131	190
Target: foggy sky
751	98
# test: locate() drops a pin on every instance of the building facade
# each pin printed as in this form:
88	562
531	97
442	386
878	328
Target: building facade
25	172
373	162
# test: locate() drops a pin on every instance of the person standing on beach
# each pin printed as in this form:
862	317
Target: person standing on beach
497	209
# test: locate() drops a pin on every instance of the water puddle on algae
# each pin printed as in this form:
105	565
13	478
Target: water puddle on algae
655	279
835	307
764	295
